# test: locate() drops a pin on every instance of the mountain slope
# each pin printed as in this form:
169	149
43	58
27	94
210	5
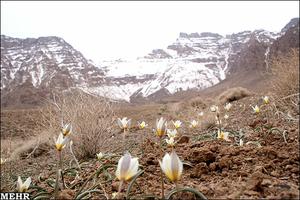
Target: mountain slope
250	69
195	62
43	64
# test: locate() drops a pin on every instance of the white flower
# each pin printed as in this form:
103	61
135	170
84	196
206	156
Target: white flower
127	167
266	99
214	108
241	142
177	124
218	121
223	135
67	130
100	155
160	127
124	123
142	125
23	187
226	116
228	106
172	166
256	109
61	142
194	123
2	161
170	141
114	195
172	133
201	114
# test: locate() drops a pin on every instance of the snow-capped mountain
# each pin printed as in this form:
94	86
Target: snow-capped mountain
193	61
44	62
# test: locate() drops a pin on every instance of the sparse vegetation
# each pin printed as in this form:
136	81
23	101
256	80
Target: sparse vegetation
198	103
96	175
91	117
233	94
285	82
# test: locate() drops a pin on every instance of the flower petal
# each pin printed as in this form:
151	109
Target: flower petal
119	121
125	164
118	171
19	184
128	123
166	166
27	183
175	166
133	169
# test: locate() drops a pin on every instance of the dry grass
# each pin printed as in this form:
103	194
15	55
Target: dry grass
233	94
198	103
209	121
91	118
285	82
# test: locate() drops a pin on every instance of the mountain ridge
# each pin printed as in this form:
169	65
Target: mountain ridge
194	61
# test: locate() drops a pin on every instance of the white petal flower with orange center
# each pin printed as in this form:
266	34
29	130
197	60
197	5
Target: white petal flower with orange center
172	166
172	133
124	123
223	135
127	167
23	187
100	155
170	141
67	130
256	109
161	127
177	124
61	142
266	99
143	124
194	124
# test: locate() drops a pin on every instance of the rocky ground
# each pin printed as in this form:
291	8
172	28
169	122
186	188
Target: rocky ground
265	167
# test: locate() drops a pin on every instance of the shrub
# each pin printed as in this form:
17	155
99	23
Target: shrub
285	81
209	121
198	103
233	94
91	118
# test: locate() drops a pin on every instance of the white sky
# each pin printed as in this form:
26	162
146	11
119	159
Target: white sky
107	30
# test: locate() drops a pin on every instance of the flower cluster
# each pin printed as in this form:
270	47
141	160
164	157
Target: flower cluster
169	163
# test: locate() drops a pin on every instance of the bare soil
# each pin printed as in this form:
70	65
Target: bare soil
265	167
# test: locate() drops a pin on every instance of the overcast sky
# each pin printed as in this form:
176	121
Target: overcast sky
107	30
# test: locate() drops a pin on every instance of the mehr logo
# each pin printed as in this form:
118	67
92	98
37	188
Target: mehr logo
14	195
22	187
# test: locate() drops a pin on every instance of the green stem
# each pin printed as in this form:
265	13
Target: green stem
61	169
56	184
124	139
60	160
91	176
219	122
161	173
57	175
